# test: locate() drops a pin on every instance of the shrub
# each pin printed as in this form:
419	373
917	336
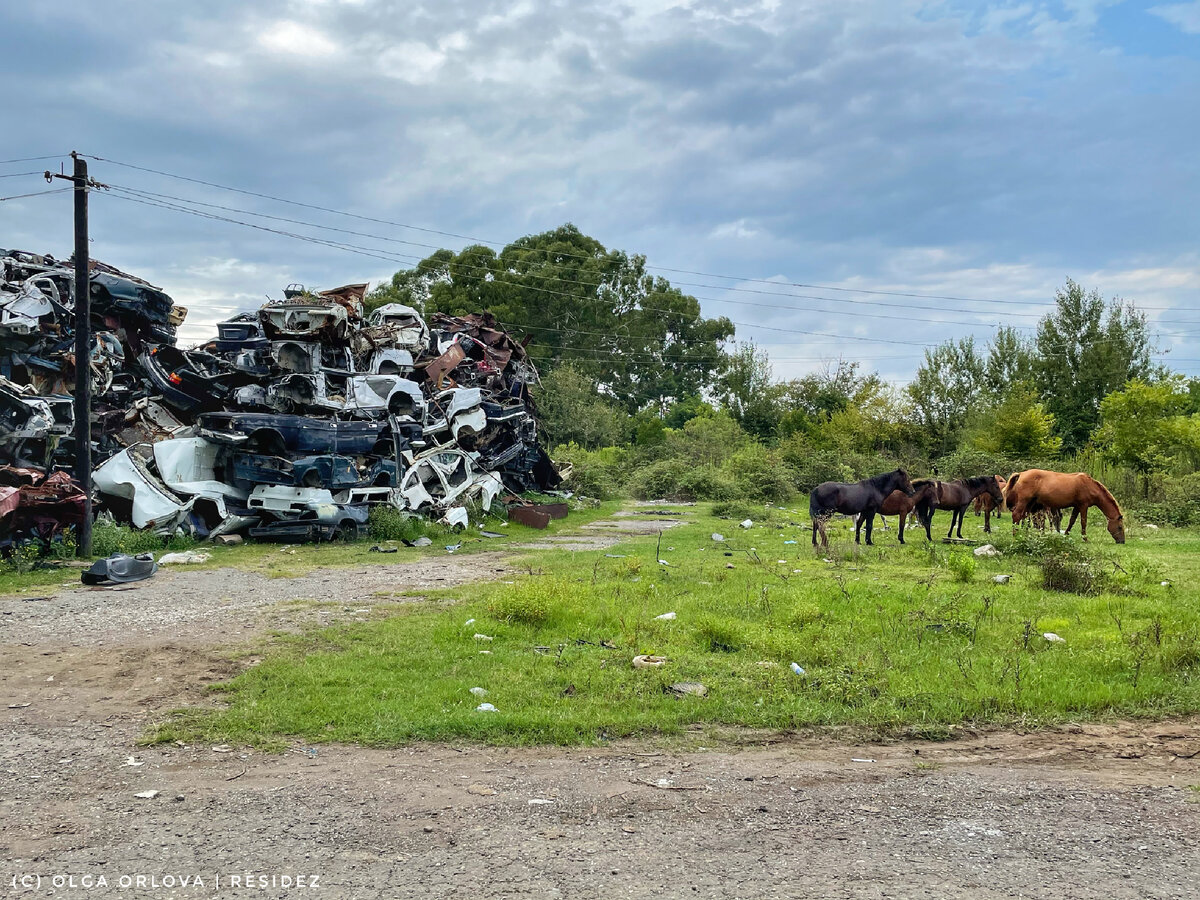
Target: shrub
761	475
736	509
968	462
678	479
810	466
1179	506
386	523
962	567
1070	574
595	473
108	538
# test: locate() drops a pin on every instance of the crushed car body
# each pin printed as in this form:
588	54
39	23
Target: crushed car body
287	425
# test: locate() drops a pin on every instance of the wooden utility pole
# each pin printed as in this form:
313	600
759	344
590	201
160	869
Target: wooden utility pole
83	352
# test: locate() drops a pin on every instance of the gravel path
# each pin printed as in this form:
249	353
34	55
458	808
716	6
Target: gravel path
220	605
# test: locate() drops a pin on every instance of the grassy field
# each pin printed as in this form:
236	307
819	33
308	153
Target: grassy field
912	639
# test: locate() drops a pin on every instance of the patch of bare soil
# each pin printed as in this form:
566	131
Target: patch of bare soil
1098	811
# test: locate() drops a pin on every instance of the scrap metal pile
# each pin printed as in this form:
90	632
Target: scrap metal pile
288	426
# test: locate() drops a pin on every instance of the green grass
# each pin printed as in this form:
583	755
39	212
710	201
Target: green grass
897	639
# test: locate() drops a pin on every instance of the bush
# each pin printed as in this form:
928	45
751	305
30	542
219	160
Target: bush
595	473
810	466
737	509
1179	506
761	475
678	479
109	538
386	523
1070	574
962	567
533	604
719	635
970	463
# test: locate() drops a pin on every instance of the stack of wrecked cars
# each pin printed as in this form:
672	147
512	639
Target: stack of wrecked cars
287	426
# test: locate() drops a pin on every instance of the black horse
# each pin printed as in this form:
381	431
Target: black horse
957	496
863	497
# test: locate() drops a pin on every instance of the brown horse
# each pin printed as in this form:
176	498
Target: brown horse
985	503
1056	490
898	503
957	496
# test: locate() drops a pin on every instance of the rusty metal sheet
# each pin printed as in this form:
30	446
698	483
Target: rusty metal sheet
529	516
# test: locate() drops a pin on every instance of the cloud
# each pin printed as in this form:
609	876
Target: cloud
954	148
297	40
1184	16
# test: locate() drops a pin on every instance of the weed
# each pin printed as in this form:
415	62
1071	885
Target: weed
386	523
962	567
1068	573
719	635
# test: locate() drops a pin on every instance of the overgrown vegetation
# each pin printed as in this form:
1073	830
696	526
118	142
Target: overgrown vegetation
896	639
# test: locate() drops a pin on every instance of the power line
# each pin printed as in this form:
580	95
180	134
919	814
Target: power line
36	194
597	284
18	174
4	162
808	286
399	258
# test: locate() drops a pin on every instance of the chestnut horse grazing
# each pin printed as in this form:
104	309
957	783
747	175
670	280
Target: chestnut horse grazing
864	497
1056	490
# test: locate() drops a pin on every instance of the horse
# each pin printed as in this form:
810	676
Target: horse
900	504
1057	490
957	496
864	497
986	504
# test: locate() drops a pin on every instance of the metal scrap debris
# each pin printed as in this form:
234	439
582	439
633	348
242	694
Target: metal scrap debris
287	426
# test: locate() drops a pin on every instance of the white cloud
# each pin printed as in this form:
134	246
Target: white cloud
295	39
1184	16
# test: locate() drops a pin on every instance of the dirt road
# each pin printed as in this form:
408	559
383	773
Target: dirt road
1093	812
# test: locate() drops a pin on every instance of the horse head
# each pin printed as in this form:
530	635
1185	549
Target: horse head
902	482
995	491
1116	527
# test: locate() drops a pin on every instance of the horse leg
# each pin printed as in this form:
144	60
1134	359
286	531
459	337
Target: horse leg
962	515
903	517
858	529
814	531
953	518
1074	516
1083	522
870	517
987	521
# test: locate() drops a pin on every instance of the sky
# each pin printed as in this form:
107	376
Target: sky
975	154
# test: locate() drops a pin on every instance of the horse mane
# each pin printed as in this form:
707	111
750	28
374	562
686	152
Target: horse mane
880	480
919	483
1107	493
977	481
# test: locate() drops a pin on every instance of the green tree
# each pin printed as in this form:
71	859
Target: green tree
1086	350
748	392
1147	427
572	411
946	385
642	340
1010	365
1019	428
